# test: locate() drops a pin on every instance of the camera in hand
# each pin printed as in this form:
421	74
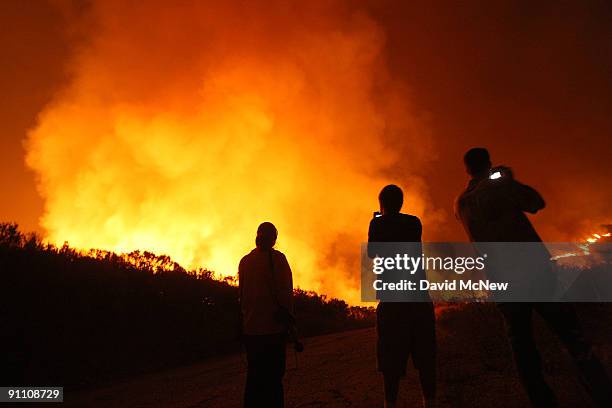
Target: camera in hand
495	175
501	173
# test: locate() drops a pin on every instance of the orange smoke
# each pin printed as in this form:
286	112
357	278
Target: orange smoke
185	126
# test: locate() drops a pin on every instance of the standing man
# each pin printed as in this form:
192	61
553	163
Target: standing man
403	329
492	209
266	301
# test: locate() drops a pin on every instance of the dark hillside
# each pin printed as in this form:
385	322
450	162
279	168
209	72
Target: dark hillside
75	319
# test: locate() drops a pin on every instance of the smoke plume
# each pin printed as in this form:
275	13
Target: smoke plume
187	124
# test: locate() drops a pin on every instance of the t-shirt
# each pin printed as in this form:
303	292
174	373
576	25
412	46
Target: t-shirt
263	290
397	227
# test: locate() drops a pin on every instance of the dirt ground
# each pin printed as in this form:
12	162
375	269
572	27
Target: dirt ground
339	370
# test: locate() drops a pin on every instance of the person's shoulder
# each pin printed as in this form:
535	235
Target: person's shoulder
278	254
477	189
247	257
409	218
461	199
280	259
461	196
472	186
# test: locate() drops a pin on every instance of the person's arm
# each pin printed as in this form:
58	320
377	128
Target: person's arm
240	281
528	199
457	208
419	229
240	322
284	284
371	238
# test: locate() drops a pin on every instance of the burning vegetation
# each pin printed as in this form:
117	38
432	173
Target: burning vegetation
181	131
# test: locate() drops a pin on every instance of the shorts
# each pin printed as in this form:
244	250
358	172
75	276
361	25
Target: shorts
404	330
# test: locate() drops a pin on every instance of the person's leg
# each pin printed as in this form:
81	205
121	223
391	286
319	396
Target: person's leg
253	387
266	368
520	333
427	377
392	349
392	381
563	321
277	370
424	349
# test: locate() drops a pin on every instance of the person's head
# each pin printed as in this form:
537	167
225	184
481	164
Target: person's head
391	199
477	162
266	236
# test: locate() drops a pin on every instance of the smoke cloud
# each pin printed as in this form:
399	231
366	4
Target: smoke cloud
185	125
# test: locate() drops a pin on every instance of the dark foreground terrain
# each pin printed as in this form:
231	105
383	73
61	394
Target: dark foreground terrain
138	330
338	370
79	319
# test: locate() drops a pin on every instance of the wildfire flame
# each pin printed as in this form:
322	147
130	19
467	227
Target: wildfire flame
585	247
596	237
184	127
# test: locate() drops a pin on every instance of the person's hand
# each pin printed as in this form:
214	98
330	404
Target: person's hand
506	172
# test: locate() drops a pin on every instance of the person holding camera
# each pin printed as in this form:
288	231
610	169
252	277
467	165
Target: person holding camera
492	209
404	327
266	301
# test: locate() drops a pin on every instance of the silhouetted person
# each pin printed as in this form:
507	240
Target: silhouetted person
492	209
266	291
403	329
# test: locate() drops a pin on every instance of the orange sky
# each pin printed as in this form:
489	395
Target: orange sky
532	83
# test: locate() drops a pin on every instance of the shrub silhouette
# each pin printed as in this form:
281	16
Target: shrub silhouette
73	318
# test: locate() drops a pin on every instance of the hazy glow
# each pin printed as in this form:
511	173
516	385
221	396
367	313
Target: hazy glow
182	135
